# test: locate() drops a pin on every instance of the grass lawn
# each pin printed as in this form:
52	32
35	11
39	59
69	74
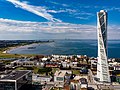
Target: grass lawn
35	69
21	68
6	55
55	69
76	72
55	88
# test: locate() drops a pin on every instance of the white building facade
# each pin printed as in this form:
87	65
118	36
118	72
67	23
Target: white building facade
102	65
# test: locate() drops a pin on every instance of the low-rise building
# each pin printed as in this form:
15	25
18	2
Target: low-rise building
15	80
25	63
41	79
117	67
44	59
59	78
2	66
51	64
65	64
73	64
74	85
83	83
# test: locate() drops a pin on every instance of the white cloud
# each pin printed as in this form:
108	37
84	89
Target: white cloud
44	12
38	10
113	9
55	30
74	13
43	27
84	18
108	8
63	4
52	11
70	11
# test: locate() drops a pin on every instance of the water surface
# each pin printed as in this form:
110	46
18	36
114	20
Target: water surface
70	47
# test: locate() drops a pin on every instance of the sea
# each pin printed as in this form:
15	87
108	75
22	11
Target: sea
69	47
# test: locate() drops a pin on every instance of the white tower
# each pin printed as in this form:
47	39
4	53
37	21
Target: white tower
102	65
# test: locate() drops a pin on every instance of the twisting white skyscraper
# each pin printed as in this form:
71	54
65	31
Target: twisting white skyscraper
102	65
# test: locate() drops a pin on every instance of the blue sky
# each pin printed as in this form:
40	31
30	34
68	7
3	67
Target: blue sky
56	19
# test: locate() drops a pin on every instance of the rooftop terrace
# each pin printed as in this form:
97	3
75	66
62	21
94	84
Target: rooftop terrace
15	75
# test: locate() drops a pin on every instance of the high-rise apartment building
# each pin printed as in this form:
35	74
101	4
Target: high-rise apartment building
102	65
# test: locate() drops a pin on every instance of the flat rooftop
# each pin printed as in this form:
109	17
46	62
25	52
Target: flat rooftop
60	73
15	75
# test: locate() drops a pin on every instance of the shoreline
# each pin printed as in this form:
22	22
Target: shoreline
14	47
10	48
5	54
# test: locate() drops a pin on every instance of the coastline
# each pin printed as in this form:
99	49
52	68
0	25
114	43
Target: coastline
27	45
4	52
65	48
10	48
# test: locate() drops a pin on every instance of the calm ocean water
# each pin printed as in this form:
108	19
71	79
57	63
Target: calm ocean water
70	47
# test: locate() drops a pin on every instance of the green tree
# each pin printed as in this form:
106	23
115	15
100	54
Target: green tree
44	70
